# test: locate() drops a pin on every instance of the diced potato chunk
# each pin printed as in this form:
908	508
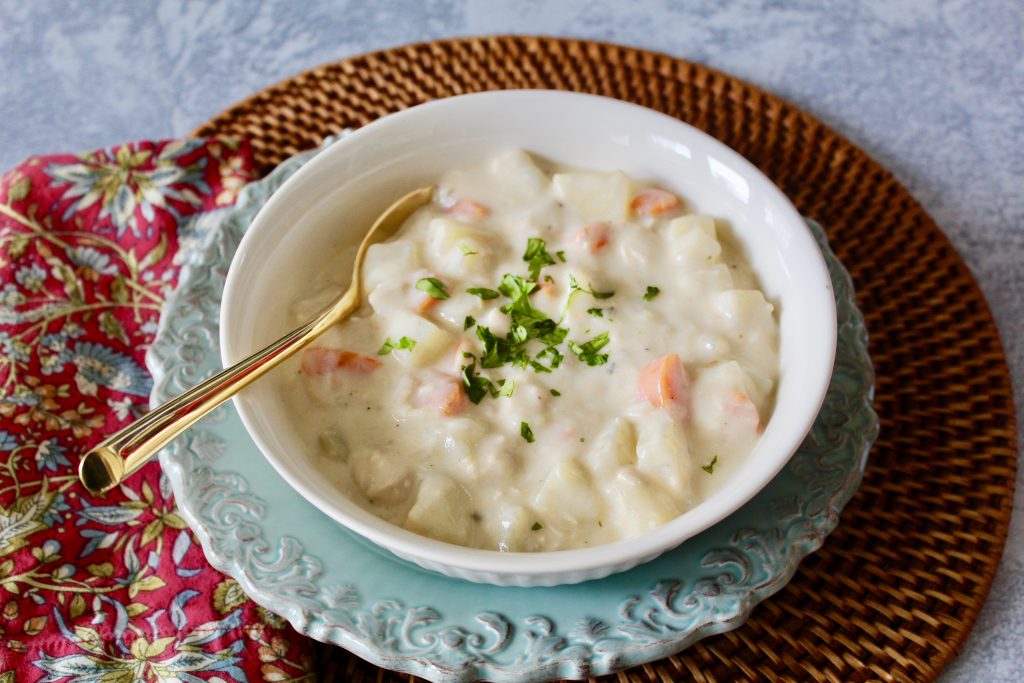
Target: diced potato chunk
389	262
513	527
613	448
598	196
638	505
745	309
382	479
431	340
567	495
518	174
441	511
728	402
456	248
693	240
663	455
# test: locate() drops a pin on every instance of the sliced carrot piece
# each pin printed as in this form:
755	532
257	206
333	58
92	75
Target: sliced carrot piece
664	384
594	236
424	302
654	202
446	394
319	360
467	210
742	412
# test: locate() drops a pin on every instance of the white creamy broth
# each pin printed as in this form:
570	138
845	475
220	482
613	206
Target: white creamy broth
545	359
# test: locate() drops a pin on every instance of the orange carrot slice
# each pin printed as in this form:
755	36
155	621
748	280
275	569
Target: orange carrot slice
424	302
742	412
654	202
467	210
319	360
594	236
445	394
664	384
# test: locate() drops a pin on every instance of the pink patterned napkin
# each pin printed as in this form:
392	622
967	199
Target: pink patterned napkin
108	588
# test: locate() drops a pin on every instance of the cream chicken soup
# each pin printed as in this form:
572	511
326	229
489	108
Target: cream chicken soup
545	359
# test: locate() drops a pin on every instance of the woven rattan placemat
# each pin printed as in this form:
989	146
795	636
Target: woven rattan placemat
896	589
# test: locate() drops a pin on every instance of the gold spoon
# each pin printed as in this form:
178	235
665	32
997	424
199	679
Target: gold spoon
109	463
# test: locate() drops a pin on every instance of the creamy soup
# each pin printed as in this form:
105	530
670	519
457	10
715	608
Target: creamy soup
545	359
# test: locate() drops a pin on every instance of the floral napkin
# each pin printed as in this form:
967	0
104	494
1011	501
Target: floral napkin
109	588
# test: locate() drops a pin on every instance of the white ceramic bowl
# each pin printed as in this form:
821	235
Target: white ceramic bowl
329	204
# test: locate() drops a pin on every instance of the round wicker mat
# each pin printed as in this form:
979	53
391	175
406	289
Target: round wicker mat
896	589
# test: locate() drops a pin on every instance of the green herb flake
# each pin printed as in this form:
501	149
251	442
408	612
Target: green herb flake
476	386
515	288
470	321
651	293
404	343
575	287
537	526
537	256
556	392
483	292
561	255
588	351
466	251
432	286
710	467
526	433
596	312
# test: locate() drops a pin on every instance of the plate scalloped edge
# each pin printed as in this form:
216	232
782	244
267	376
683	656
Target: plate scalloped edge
670	616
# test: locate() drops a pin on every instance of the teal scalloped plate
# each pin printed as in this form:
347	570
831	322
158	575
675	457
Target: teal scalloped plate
338	588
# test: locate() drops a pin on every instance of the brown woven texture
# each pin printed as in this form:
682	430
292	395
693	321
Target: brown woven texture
896	589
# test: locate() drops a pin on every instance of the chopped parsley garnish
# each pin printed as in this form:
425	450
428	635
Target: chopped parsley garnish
574	288
710	467
533	339
550	352
526	433
478	386
561	255
537	256
651	293
434	287
466	251
536	526
588	351
515	288
483	292
389	346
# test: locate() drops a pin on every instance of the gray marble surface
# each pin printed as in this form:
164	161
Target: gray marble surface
932	89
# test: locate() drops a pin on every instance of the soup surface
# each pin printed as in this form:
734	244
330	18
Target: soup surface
545	359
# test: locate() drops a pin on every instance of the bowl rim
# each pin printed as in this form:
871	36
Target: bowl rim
536	565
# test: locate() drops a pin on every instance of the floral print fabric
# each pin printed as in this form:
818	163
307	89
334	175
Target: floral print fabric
108	588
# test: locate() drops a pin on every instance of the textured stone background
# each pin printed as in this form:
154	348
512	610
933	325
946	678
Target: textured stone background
932	89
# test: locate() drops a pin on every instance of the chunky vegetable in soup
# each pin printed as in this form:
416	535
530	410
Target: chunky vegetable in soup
545	359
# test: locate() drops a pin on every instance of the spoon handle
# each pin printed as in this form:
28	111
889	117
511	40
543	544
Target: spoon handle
106	465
